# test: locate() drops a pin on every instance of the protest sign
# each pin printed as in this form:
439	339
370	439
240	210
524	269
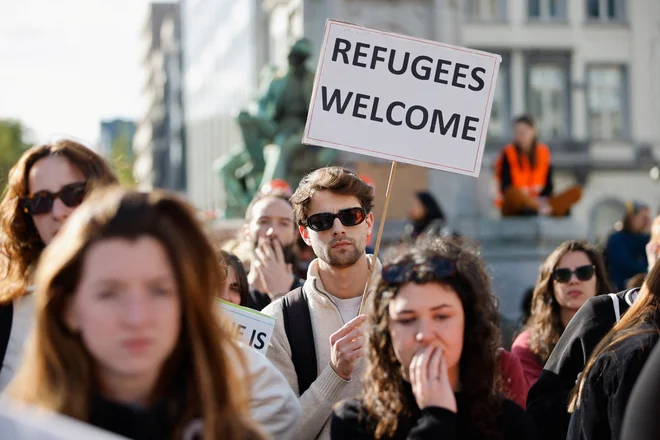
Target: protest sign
249	326
29	423
402	98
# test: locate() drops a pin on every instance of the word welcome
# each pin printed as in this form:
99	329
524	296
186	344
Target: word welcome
415	117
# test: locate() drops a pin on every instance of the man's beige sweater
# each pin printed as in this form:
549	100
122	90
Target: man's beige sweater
328	388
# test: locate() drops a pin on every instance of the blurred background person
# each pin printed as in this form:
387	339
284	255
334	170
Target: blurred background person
273	403
525	176
126	337
426	218
431	353
625	251
44	187
572	273
236	289
269	234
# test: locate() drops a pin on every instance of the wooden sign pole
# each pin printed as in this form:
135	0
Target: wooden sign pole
380	235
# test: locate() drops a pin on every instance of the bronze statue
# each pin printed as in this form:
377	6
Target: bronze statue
272	135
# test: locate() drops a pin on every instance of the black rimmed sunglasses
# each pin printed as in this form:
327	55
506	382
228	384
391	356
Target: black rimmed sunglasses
42	202
583	273
324	220
435	268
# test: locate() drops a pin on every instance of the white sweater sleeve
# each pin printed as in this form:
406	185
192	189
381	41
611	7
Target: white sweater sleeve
274	405
317	402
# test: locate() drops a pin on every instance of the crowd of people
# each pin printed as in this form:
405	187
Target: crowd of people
109	315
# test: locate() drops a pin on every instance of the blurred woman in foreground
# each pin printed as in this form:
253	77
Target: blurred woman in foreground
126	336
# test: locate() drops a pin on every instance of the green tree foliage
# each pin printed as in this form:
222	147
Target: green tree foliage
122	160
12	146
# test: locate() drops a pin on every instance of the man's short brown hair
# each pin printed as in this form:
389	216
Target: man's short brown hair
337	180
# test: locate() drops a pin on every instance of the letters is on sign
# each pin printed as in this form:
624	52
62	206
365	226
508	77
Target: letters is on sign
248	326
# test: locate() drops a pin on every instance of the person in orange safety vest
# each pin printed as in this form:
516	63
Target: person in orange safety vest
524	175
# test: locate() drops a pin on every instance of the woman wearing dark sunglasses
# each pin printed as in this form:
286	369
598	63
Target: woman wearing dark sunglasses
572	273
431	354
47	183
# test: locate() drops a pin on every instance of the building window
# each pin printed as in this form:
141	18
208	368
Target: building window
546	10
606	102
499	125
606	10
548	96
486	10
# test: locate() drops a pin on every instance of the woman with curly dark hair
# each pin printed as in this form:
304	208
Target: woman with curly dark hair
572	273
431	353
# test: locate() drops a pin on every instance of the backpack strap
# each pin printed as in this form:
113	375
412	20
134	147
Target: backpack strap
615	303
6	320
298	327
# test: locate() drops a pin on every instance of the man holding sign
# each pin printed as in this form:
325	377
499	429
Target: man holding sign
332	207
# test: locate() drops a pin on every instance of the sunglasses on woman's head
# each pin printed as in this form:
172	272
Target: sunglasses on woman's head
324	220
583	273
435	268
42	202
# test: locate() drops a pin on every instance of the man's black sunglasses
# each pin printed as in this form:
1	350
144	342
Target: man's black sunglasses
42	202
324	220
583	273
433	269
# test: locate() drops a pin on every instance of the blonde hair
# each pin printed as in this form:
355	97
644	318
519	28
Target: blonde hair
200	378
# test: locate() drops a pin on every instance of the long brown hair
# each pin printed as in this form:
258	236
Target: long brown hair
20	243
384	394
645	309
544	325
199	379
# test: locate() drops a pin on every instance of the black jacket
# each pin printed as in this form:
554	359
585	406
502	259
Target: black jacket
641	421
349	421
547	400
608	385
154	423
258	300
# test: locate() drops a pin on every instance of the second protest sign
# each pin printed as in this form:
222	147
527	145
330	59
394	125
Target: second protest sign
402	98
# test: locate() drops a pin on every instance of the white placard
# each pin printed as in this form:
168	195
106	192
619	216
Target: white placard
29	423
402	98
249	326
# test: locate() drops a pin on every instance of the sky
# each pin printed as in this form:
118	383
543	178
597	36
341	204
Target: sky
67	64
